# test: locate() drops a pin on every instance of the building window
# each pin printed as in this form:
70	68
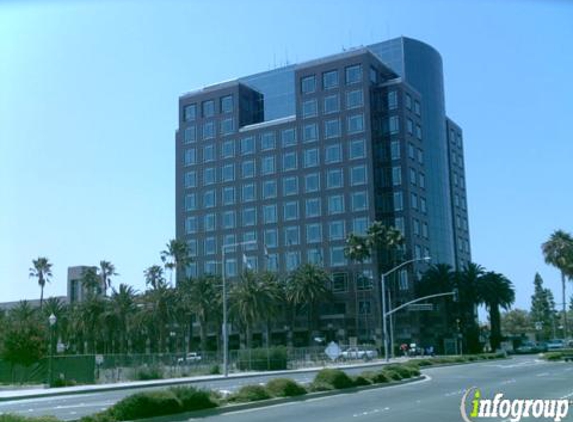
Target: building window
332	128
330	79
209	199
228	173
396	176
308	84
249	216
288	137
365	281
209	222
357	149
395	150
227	126
190	134
339	282
248	169
248	192
210	246
247	145
271	238
229	220
364	307
292	236
425	230
354	99
208	130
208	153
228	149
399	224
413	178
373	75
414	201
270	214
392	100
268	141
360	226
331	104
419	132
410	126
420	156
269	189
313	233
190	180
290	186
311	182
314	256
355	124
408	102
334	178
335	204
268	164
423	205
398	201
336	230
209	176
190	202
333	153
417	107
272	262
291	210
190	112
190	156
359	201
416	226
393	125
312	207
358	175
228	195
309	108
208	108
337	258
231	267
311	157
191	225
289	161
227	104
292	260
353	74
310	132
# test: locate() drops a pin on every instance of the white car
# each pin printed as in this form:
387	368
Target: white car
358	353
192	357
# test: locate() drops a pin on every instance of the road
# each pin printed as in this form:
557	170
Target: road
435	399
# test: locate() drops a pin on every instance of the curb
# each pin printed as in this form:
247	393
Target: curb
180	417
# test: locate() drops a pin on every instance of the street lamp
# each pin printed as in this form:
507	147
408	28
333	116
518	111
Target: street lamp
52	319
383	286
225	328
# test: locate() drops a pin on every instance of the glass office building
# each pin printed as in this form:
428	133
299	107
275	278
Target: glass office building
294	159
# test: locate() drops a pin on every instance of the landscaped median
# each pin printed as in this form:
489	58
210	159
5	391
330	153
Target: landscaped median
178	400
558	355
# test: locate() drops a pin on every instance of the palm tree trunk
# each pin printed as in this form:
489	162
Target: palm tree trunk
495	320
563	287
203	333
42	295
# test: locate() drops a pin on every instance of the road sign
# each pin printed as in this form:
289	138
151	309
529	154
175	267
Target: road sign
421	307
332	350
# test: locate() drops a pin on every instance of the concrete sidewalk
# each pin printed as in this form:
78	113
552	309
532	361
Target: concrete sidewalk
29	393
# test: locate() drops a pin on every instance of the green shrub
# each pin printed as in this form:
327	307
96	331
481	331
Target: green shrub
149	373
104	416
393	375
403	370
271	359
249	393
320	386
553	356
215	370
146	405
359	381
335	377
284	387
62	382
192	398
10	417
421	362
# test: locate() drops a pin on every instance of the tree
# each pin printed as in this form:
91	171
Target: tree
106	271
24	342
558	252
516	322
495	291
121	310
307	286
467	284
91	282
154	276
441	278
541	313
176	257
357	250
42	270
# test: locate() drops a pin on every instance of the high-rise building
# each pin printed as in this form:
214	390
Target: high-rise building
297	158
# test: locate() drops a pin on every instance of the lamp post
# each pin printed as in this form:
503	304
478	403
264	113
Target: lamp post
225	328
52	321
383	287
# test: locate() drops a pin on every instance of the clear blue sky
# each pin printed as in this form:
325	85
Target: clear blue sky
88	112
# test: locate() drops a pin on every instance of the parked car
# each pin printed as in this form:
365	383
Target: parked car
358	353
192	357
555	344
530	347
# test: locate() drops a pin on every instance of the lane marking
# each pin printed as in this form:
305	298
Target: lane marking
370	412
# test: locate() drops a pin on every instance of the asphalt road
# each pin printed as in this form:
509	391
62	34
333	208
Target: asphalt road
435	399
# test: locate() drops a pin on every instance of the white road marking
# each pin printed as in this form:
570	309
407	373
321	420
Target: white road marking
370	412
543	374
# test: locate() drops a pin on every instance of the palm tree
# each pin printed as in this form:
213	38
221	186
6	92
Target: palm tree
42	270
558	252
122	308
91	282
154	276
107	270
56	307
467	285
495	291
176	257
357	250
307	286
